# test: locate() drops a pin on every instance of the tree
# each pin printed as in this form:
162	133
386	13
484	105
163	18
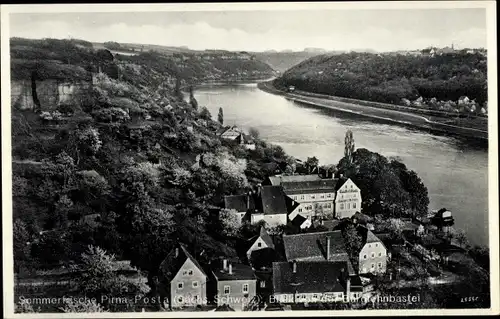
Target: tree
461	238
21	245
311	164
220	116
349	146
192	99
86	306
353	241
177	90
254	133
229	222
97	276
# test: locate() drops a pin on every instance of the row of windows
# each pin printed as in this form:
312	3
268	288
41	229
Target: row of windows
180	285
348	206
314	196
379	265
372	255
187	272
244	289
353	195
316	206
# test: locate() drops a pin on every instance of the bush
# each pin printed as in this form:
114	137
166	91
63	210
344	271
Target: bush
111	115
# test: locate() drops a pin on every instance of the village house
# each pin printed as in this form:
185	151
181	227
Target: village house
273	207
267	203
318	246
373	254
241	204
236	284
262	241
183	278
310	282
237	136
347	200
314	194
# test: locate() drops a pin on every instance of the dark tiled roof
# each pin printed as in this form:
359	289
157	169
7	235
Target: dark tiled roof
310	277
298	220
266	238
239	272
310	187
172	264
312	246
273	200
367	235
239	202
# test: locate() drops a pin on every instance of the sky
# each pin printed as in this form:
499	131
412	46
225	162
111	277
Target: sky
380	30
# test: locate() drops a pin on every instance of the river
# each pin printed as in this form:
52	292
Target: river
455	173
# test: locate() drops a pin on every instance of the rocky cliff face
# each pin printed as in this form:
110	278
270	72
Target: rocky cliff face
48	93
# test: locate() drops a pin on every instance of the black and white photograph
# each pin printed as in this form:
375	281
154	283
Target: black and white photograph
219	160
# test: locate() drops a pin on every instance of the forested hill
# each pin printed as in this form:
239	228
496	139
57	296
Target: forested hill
282	61
439	79
122	162
55	56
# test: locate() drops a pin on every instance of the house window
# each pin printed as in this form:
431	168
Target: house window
329	195
364	256
190	272
184	272
376	245
262	284
348	206
180	285
227	290
259	244
300	210
341	206
322	196
313	196
373	255
197	298
373	266
380	254
369	246
245	288
302	197
180	299
353	205
195	284
379	265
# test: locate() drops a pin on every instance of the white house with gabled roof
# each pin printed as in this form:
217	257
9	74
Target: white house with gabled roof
347	200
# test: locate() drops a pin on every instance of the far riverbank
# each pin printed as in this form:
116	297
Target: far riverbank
427	123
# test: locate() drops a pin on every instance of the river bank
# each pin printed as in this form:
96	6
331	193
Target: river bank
432	124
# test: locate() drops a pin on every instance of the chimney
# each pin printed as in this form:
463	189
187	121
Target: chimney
224	264
248	200
328	248
294	267
230	270
348	287
176	252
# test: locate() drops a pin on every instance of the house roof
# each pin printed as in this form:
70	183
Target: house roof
265	237
279	179
312	246
239	202
310	187
239	272
298	220
171	265
309	277
367	235
273	200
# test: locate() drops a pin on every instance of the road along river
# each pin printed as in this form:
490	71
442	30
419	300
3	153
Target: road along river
455	173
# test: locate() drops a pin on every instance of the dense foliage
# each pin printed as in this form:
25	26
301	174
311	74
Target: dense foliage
391	78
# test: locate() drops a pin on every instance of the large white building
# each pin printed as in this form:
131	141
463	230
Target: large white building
319	197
